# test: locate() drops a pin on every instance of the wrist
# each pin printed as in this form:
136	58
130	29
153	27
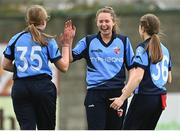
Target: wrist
65	46
123	97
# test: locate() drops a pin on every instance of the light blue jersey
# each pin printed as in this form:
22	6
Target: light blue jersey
105	62
156	75
30	58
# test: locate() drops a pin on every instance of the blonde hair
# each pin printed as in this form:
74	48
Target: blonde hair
151	25
108	9
35	16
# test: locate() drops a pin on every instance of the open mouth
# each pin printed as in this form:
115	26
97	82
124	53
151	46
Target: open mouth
104	30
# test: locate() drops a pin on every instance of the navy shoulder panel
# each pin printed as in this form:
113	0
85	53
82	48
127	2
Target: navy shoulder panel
13	44
89	38
123	38
141	44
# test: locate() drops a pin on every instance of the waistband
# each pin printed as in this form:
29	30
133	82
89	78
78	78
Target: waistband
36	77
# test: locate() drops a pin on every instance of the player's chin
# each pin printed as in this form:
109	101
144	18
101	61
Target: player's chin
105	32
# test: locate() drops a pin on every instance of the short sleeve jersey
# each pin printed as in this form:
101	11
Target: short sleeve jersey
155	75
105	62
30	58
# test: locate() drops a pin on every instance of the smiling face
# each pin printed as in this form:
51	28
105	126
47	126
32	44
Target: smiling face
105	23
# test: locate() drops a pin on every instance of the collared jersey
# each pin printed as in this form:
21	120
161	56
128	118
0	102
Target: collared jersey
155	75
30	58
105	62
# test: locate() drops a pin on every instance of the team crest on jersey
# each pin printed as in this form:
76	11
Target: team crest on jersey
117	50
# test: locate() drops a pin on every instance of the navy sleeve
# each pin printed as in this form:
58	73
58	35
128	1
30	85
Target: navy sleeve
53	51
79	51
129	54
141	58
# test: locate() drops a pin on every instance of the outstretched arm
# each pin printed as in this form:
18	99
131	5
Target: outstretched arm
70	47
134	80
65	40
70	54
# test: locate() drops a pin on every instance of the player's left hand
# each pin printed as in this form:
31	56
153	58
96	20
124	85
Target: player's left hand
117	103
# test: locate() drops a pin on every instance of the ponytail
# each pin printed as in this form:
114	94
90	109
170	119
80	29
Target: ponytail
38	36
154	49
35	16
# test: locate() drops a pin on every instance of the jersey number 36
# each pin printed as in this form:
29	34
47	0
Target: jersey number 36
161	70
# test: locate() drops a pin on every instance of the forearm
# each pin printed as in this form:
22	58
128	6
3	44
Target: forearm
134	79
63	63
65	54
68	43
70	54
9	68
7	65
129	88
133	82
130	72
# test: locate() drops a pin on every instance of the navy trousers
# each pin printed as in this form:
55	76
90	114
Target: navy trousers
34	102
143	113
99	114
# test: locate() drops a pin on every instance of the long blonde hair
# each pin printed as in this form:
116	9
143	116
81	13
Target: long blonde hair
151	25
35	16
108	9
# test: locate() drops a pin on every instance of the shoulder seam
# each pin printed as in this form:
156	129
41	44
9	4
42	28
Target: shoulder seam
13	44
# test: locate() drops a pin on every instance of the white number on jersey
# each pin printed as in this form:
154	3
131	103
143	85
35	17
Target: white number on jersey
162	70
33	56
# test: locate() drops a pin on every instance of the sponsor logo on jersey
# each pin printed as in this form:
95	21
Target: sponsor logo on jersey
97	50
107	59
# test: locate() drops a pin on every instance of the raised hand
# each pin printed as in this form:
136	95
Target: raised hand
66	38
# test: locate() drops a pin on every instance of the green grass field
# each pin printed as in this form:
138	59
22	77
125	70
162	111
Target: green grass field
168	126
